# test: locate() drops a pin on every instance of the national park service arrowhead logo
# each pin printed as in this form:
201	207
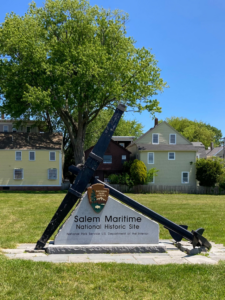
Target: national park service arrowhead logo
98	196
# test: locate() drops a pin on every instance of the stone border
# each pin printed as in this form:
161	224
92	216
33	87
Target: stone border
172	256
97	249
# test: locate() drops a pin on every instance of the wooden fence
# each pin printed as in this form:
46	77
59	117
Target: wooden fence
165	189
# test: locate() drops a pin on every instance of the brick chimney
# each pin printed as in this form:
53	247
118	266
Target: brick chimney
212	146
156	121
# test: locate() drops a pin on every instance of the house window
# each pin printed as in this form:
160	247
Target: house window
18	174
155	138
18	155
52	156
171	155
124	157
172	139
32	155
5	128
150	157
28	129
107	159
52	174
185	177
122	144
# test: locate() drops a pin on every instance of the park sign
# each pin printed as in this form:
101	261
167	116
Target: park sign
113	223
97	196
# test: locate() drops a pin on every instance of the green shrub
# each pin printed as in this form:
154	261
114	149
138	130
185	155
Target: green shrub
208	171
127	165
151	174
221	181
114	179
138	172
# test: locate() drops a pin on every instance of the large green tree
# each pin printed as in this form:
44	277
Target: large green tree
124	128
72	60
196	131
93	132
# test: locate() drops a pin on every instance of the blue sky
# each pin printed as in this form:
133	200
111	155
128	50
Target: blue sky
187	38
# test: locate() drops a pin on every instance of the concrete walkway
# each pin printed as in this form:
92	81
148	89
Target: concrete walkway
173	255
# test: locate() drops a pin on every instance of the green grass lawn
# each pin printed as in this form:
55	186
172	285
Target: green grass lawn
24	216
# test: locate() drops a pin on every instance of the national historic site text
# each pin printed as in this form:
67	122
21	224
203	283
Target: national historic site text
107	219
113	224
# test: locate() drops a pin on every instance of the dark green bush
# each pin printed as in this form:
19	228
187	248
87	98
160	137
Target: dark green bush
221	181
208	171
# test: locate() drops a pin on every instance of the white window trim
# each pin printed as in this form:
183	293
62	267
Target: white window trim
34	156
7	128
15	156
153	158
171	158
56	174
14	174
182	177
158	139
50	156
175	139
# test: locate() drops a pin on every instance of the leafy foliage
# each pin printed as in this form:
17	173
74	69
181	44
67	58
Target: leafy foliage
70	60
221	181
151	174
123	178
138	172
134	172
196	131
124	128
208	171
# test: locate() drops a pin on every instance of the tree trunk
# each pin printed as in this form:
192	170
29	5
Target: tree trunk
78	146
77	133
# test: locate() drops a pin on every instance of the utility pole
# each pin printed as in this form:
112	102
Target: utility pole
223	142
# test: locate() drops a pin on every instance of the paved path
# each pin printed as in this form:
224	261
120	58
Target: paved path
173	255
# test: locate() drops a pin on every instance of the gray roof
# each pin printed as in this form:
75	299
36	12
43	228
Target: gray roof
214	151
198	144
160	147
25	141
123	138
200	149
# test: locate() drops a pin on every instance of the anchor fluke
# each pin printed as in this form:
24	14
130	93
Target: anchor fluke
177	237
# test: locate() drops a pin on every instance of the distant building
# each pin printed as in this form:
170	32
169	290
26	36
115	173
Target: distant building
123	141
29	126
166	150
29	159
115	155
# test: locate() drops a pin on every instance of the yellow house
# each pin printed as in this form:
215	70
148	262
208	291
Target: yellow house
166	150
31	161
